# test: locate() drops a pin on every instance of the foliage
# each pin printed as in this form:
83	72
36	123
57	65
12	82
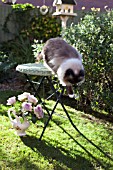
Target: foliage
19	17
93	37
18	50
3	56
5	70
5	66
23	7
44	27
37	47
12	53
29	22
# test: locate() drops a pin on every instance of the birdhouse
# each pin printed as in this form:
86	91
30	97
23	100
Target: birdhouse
64	9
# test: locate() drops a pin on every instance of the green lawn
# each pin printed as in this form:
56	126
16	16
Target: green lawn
61	148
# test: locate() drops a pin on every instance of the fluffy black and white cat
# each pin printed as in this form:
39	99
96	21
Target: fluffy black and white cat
64	61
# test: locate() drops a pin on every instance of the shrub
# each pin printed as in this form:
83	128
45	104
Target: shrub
18	50
37	47
29	24
44	28
93	37
5	66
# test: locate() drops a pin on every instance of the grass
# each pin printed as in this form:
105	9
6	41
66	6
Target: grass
62	147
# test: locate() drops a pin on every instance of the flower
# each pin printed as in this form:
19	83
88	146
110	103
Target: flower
83	8
11	100
23	96
38	111
105	7
25	105
32	99
95	9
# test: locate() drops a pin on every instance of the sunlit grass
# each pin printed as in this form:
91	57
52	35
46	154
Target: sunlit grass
61	148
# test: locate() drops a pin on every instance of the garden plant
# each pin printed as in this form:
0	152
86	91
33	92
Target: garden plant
93	37
62	147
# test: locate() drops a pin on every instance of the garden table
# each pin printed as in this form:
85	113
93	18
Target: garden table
38	69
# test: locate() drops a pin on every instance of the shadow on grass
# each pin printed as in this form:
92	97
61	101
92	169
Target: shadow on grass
71	102
54	153
104	165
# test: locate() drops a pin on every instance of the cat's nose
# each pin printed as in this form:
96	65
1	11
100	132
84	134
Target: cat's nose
81	73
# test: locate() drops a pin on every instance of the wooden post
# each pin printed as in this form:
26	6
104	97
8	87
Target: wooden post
64	21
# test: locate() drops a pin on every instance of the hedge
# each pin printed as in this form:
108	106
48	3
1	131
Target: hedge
93	37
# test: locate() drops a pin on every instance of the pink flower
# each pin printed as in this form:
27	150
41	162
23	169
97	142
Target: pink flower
23	97
26	106
11	100
32	99
38	111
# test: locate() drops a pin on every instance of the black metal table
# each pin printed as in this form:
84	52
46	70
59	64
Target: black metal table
38	69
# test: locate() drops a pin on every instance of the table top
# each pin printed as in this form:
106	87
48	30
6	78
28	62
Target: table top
34	69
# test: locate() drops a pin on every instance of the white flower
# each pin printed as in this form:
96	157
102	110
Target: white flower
83	8
38	111
11	100
26	106
23	97
32	99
